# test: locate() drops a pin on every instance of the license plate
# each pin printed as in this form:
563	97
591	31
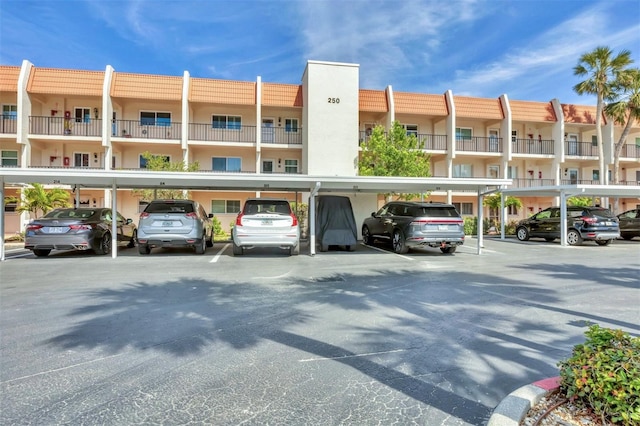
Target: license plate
443	227
167	223
57	229
267	222
608	223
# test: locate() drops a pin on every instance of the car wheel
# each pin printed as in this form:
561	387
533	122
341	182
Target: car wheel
574	238
41	252
549	239
237	250
134	240
366	236
522	233
202	247
448	250
603	242
144	249
399	245
104	245
210	241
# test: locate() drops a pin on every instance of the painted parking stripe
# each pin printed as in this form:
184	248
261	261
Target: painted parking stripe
217	256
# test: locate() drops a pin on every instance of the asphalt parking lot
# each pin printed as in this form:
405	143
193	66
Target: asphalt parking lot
363	337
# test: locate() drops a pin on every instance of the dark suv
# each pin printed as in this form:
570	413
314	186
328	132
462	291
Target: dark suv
175	223
411	224
583	223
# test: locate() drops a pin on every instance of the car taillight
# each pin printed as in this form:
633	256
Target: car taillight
294	220
33	227
80	227
239	219
590	220
191	215
144	215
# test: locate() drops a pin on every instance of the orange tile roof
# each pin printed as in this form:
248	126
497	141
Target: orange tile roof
580	114
373	101
282	95
148	87
532	111
9	78
486	108
56	81
417	103
222	91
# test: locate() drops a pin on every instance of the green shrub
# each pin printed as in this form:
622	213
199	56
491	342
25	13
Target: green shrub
603	374
218	232
471	225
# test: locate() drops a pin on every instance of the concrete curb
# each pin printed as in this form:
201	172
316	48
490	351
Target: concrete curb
517	404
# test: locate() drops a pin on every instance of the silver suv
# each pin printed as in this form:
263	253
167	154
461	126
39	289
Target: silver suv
411	225
175	223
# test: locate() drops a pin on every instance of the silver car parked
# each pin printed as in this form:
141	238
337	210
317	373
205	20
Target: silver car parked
266	222
175	223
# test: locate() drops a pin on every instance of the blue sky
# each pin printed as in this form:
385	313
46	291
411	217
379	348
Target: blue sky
524	48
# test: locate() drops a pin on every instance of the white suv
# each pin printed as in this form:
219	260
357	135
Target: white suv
266	222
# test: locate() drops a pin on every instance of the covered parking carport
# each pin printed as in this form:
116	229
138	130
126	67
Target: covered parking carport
564	192
126	179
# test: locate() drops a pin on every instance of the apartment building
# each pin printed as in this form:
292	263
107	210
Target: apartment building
61	118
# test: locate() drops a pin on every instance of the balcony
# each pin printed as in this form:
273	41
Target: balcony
432	142
630	151
60	126
532	183
8	125
479	144
533	146
580	149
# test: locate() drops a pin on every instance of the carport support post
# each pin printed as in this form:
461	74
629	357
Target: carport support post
480	220
503	216
2	213
563	218
312	219
114	222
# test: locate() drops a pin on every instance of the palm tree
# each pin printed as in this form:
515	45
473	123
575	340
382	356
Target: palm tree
602	70
38	199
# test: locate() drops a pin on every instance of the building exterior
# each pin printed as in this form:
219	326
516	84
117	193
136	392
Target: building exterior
59	118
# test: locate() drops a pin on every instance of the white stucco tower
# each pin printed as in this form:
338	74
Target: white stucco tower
330	116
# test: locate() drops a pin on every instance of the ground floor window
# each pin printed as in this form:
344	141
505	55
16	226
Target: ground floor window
464	208
462	170
226	164
8	158
225	206
81	159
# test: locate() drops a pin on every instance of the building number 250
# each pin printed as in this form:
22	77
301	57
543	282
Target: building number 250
333	100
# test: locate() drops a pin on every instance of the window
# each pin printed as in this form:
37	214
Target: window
462	170
226	122
150	118
514	136
225	206
464	208
83	115
8	158
512	210
81	159
411	129
10	207
9	112
594	140
463	133
226	164
494	172
143	161
595	175
638	142
291	125
512	172
291	166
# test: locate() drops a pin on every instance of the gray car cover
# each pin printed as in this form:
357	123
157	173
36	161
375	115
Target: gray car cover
335	223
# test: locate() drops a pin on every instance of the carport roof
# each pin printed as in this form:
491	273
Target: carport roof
578	190
127	179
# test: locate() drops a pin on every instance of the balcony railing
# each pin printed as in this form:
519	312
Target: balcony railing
533	146
8	125
432	142
531	183
65	126
479	144
141	130
580	149
630	151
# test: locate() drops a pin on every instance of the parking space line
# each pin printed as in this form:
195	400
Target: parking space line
387	251
217	256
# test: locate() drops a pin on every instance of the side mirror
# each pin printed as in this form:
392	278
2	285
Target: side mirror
129	221
373	214
210	215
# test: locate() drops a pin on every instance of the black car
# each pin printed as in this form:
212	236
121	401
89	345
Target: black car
409	225
629	224
583	223
79	229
